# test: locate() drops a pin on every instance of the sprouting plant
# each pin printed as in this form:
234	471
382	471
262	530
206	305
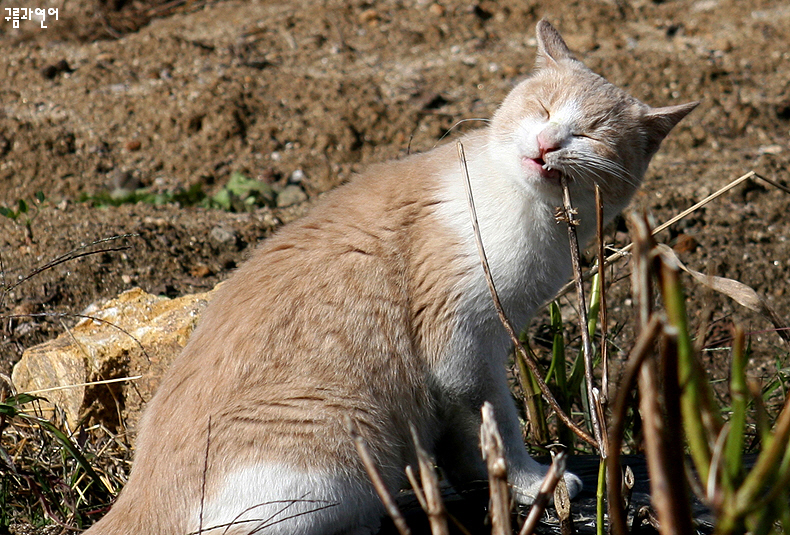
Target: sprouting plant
240	194
22	212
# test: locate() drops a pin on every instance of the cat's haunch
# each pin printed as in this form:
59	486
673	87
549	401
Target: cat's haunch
374	306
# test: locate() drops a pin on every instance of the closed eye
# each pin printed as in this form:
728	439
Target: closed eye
546	112
585	135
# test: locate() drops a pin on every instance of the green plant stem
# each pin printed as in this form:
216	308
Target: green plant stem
68	445
693	389
533	403
600	497
733	449
765	467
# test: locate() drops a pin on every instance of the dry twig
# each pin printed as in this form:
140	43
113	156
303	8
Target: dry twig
594	410
550	481
431	501
493	453
533	366
375	478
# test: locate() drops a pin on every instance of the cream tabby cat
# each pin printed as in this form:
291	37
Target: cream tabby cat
374	306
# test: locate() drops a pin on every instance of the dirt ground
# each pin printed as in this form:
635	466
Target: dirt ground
168	96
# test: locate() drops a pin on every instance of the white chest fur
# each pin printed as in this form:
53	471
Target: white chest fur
526	249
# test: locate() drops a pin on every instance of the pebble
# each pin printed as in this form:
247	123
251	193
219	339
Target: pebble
133	145
200	271
369	16
222	236
436	9
290	195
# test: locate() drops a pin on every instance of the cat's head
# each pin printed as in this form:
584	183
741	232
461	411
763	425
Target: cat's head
566	119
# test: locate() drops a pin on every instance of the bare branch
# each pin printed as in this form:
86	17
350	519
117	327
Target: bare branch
533	366
583	316
375	477
493	453
550	481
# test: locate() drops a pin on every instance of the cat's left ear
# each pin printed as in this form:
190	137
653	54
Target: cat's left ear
551	46
659	121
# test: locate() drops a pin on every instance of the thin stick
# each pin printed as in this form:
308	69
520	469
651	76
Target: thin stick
432	499
584	321
415	484
78	385
533	366
375	478
205	474
553	476
667	484
644	344
73	255
493	454
602	314
775	184
625	250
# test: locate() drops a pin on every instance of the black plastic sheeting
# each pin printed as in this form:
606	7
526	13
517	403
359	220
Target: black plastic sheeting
469	506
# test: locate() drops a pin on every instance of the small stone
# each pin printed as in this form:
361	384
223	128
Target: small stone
133	145
685	244
290	195
771	149
222	237
436	9
369	16
200	271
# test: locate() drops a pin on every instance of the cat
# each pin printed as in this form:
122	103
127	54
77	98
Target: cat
374	307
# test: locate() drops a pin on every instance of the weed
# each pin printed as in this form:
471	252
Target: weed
23	212
240	194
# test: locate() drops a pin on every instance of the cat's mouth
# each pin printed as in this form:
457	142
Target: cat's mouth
541	168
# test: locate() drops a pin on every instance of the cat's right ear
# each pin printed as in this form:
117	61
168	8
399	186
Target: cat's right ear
551	46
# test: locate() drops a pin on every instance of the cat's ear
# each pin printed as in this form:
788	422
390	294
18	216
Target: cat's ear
659	121
551	46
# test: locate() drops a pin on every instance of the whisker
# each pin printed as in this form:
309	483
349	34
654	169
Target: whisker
591	168
459	123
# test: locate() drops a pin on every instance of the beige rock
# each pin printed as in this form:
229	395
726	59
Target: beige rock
134	334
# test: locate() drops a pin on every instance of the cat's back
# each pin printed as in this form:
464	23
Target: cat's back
348	259
317	323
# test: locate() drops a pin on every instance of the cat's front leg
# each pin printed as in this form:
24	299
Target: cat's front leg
459	449
525	475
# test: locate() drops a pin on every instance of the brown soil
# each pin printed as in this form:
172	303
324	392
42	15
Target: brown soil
167	97
170	97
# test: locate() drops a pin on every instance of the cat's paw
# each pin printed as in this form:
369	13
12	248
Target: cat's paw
526	486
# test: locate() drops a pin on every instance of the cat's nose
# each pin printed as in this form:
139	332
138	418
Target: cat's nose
549	140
